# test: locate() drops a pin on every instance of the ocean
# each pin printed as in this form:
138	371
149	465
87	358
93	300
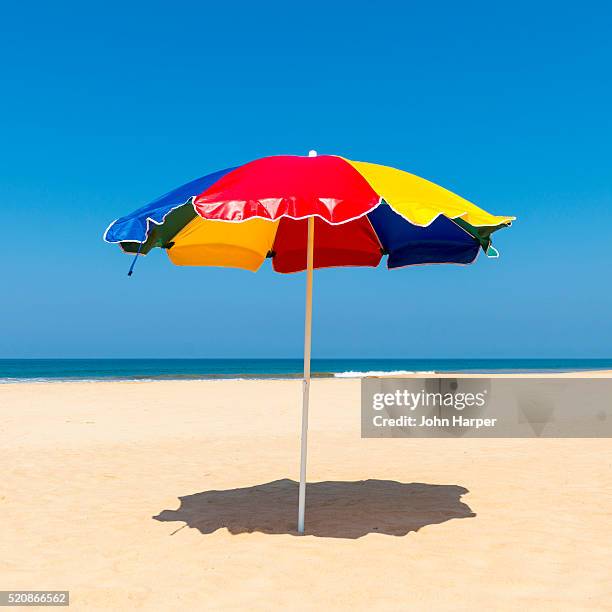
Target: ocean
22	370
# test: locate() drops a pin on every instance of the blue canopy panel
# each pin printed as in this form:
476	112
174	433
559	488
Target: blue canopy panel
443	241
135	226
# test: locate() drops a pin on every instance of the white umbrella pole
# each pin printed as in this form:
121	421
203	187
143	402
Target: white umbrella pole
306	383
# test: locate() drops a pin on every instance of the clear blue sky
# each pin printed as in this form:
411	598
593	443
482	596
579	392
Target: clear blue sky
107	105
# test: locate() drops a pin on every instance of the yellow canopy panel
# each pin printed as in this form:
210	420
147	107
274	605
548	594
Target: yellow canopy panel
203	242
420	201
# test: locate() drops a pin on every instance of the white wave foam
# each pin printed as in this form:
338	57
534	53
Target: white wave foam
379	373
220	378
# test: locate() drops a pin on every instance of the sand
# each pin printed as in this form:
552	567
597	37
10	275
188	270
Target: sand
182	495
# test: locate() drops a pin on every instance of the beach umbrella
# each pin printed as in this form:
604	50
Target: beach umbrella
305	213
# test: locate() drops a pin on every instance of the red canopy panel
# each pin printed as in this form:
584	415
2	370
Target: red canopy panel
351	244
289	186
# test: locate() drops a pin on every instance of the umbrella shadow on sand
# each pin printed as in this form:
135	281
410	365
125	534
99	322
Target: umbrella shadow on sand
334	509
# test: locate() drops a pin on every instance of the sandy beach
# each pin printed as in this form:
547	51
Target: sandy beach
182	495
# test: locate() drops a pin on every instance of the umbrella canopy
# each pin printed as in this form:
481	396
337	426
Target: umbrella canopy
305	213
240	216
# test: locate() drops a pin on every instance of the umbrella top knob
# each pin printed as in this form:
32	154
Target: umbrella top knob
312	153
